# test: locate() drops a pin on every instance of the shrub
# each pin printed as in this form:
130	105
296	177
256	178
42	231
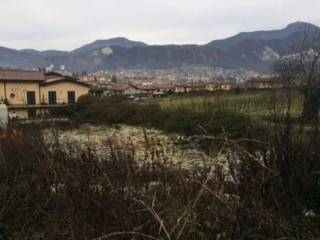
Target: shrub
182	121
179	120
57	191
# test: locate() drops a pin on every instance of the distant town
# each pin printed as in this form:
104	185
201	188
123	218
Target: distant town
30	93
178	75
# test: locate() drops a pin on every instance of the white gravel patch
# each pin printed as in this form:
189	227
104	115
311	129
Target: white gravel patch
143	144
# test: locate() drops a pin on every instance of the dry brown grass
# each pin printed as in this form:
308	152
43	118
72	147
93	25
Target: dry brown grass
254	190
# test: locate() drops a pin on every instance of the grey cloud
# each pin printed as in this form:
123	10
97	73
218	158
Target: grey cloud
67	24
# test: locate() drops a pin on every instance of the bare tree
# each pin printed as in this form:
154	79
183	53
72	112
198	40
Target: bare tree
301	70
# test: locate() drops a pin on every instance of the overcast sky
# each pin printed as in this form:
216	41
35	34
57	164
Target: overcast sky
68	24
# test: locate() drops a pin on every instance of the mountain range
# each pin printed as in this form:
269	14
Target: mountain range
250	50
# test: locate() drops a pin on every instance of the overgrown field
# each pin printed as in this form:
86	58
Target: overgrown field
191	168
249	190
179	120
253	103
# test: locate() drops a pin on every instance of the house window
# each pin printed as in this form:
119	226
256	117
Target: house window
31	98
52	96
71	97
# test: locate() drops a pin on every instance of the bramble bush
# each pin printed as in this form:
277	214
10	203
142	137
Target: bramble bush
54	191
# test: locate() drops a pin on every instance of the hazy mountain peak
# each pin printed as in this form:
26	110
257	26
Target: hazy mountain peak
281	34
118	41
298	26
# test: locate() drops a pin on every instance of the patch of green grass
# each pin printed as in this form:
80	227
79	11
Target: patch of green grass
182	119
253	103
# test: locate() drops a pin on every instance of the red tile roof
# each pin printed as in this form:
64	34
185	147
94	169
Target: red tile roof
191	85
160	86
21	75
51	78
261	80
50	75
119	87
143	87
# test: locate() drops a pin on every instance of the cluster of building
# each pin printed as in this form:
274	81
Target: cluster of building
263	83
184	74
149	89
96	79
29	93
155	89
